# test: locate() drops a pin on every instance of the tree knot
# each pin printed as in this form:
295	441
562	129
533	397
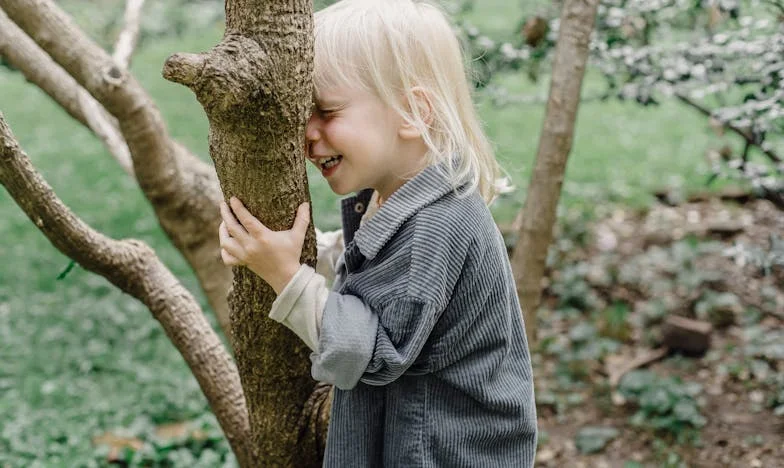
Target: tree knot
113	75
185	69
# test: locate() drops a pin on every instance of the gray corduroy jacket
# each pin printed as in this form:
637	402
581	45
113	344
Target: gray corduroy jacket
423	337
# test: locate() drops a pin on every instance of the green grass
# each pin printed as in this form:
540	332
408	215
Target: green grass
621	151
80	358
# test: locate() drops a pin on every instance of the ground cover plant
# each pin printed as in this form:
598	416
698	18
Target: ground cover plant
89	378
613	290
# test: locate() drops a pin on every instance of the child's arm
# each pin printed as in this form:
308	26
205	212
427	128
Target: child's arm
357	342
351	341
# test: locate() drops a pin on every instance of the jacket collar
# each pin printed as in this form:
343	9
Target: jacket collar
425	188
352	210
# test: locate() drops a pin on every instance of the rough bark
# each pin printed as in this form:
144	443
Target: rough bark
555	143
182	189
255	87
25	55
134	268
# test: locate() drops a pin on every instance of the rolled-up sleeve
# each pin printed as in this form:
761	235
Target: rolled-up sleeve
346	341
405	325
375	346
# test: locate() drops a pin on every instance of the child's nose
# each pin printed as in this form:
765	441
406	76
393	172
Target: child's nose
313	128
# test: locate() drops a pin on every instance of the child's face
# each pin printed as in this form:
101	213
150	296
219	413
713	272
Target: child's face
353	138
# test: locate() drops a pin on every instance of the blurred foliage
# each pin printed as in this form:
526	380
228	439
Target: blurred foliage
777	398
764	260
102	20
199	444
729	53
578	352
592	439
664	404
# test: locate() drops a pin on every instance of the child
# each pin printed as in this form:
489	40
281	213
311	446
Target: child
422	333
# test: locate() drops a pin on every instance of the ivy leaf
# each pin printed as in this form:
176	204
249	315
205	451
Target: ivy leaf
635	382
656	400
582	332
592	439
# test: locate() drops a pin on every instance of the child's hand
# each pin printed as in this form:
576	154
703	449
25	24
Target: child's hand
273	255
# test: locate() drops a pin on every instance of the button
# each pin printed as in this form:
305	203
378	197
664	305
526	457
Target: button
359	207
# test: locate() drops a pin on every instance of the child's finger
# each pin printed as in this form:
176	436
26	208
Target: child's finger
223	232
229	259
233	227
249	222
302	220
225	239
233	247
229	244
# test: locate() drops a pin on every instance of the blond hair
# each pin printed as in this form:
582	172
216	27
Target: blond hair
392	48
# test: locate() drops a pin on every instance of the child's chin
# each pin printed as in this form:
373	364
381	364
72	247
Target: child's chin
340	190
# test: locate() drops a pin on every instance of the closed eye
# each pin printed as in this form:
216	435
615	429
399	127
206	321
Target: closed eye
326	110
327	113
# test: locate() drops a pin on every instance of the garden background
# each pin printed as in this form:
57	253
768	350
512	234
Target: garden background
88	378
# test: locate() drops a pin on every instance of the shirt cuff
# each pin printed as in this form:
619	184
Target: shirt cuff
300	305
284	303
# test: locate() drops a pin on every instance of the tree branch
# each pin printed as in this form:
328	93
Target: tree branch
184	68
126	41
25	55
182	189
134	268
155	161
744	134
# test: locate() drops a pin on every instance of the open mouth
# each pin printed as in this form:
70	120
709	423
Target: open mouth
328	163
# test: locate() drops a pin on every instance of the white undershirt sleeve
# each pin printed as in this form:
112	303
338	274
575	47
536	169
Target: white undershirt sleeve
300	305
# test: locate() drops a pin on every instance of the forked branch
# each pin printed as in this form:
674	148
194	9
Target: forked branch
134	268
25	55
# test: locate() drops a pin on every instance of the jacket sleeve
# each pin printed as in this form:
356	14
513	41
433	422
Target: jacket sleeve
374	346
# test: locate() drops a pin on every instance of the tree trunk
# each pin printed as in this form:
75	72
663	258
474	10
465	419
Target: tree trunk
255	87
182	189
555	143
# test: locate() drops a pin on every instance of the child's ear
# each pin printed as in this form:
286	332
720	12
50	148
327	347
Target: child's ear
420	108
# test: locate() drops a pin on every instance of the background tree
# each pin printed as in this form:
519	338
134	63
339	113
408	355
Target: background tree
721	58
712	56
541	202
